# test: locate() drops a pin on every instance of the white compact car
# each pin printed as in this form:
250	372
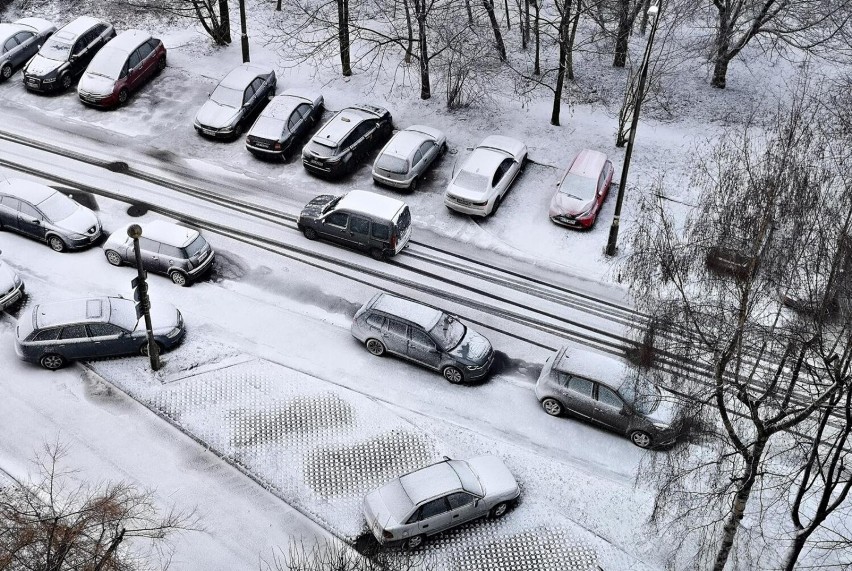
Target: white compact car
408	155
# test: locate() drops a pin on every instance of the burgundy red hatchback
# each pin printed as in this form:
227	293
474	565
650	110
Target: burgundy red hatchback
582	190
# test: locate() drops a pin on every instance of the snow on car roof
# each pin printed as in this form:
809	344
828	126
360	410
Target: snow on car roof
371	204
9	30
422	315
432	132
38	24
168	233
404	143
308	95
431	481
95	309
588	164
78	26
341	124
281	106
592	365
27	190
128	40
505	144
243	74
484	161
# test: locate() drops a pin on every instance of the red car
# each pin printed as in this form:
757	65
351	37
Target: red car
120	68
582	190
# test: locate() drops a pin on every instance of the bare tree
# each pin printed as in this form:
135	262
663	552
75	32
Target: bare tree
627	12
498	37
211	14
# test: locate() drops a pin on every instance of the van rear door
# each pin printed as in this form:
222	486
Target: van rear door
402	228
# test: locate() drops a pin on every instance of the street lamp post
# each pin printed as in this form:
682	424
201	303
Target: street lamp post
611	248
143	303
244	34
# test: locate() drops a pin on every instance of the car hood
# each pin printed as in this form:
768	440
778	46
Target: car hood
666	411
164	317
41	65
563	204
473	347
494	476
96	84
313	209
217	116
80	221
7	278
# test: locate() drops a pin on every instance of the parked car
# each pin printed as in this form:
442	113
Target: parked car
604	391
238	98
52	334
65	55
423	334
21	40
439	497
11	286
40	212
120	68
582	190
479	186
284	122
346	139
175	251
359	219
407	156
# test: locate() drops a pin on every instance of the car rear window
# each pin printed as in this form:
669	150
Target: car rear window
471	180
322	149
195	246
404	220
392	164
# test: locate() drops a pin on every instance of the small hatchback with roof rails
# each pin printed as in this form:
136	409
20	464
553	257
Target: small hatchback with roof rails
341	143
423	334
53	334
408	155
175	251
359	219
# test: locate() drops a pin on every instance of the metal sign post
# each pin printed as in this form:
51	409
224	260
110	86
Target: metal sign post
140	295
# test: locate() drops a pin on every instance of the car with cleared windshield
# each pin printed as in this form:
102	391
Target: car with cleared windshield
603	390
403	161
123	66
20	40
439	497
11	286
388	324
342	143
56	333
582	190
64	55
479	187
287	119
40	212
236	101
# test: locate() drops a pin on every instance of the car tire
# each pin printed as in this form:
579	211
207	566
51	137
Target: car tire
499	510
56	244
161	63
238	131
143	349
310	233
122	96
443	150
52	361
6	71
113	257
413	543
552	407
65	82
377	254
413	186
179	278
375	347
640	438
497	204
453	375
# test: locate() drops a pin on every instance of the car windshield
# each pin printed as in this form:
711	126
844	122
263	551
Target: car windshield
448	332
107	63
577	186
57	207
471	180
195	246
642	394
54	48
392	164
227	97
331	204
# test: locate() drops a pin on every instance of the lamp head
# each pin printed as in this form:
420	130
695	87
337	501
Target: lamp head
653	10
134	231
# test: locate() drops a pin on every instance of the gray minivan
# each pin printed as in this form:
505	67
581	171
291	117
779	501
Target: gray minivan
428	336
359	219
175	251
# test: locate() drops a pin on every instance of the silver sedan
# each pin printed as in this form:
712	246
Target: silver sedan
21	40
409	153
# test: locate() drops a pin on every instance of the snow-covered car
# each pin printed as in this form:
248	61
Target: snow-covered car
168	249
603	390
284	122
423	334
20	40
479	186
120	68
582	190
404	159
52	334
439	497
238	98
65	55
40	212
11	286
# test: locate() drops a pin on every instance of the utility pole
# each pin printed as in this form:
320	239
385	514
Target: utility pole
140	295
244	34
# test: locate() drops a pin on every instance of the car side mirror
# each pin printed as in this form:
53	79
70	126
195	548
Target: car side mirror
270	97
37	222
476	502
624	411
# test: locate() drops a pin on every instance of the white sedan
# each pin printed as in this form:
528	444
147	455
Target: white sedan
485	178
404	159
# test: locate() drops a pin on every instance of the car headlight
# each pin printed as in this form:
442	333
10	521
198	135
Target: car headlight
16	279
661	425
75	236
49	80
173	333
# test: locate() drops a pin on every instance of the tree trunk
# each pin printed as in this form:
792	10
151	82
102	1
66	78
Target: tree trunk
560	74
643	27
575	21
469	12
623	34
343	36
410	30
720	72
537	70
796	548
723	44
224	22
526	22
498	37
425	88
508	19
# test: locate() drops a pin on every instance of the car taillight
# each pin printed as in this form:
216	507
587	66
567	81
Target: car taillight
387	535
393	241
277	146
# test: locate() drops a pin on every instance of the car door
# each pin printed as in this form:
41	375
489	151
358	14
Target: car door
149	250
335	227
577	394
429	150
134	70
78	60
422	348
248	95
435	516
395	337
260	90
359	231
502	177
294	126
9	207
463	507
73	342
10	50
30	221
304	110
171	257
416	163
27	47
610	410
110	339
149	62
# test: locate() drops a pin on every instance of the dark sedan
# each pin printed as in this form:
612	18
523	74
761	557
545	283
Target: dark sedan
283	123
237	99
340	145
21	40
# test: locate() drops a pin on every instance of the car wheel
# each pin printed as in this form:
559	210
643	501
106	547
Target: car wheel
122	96
375	347
453	375
6	71
52	361
499	510
377	254
113	257
413	185
552	407
143	349
161	64
443	150
310	233
56	244
413	542
66	81
238	130
497	204
178	278
640	439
